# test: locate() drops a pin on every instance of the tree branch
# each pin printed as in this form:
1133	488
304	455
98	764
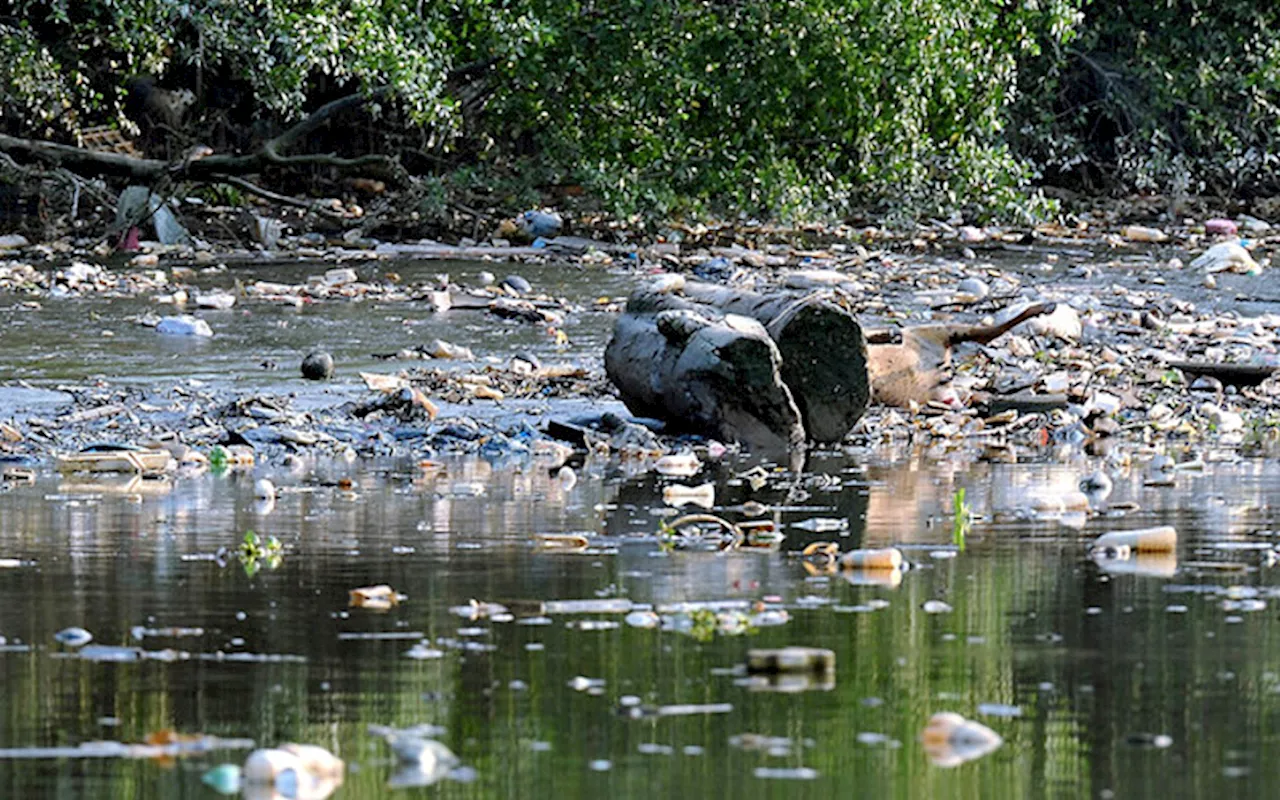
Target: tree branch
210	168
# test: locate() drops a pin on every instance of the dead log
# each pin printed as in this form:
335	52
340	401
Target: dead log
824	354
912	370
702	370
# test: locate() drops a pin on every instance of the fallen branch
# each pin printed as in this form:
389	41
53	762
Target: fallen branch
313	206
210	168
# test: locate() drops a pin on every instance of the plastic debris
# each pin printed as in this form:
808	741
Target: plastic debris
1141	233
184	325
703	496
950	740
296	771
73	637
1227	257
887	558
378	598
791	659
681	465
1163	539
223	779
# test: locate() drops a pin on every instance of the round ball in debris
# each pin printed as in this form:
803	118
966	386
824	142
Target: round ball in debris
317	366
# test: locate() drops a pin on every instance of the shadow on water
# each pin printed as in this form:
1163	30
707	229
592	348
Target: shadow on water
1082	672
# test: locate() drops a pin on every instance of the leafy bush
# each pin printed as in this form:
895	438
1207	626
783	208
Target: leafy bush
1162	95
778	108
796	108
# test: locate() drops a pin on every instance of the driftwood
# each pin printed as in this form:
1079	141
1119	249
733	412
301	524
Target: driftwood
911	370
703	370
1228	374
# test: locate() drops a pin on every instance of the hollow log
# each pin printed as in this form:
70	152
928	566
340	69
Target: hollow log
704	371
824	354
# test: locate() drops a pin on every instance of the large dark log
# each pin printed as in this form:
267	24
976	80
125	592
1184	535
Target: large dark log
824	355
702	370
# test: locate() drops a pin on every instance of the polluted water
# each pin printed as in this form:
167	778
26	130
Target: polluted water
950	602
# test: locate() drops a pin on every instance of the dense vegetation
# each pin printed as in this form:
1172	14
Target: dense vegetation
789	108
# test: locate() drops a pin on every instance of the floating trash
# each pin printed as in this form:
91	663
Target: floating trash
164	747
936	607
294	771
223	779
786	773
950	740
703	496
1157	741
567	542
888	558
73	637
1163	539
378	598
422	652
680	465
815	660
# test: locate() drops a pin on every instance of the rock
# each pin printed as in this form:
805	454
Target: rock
73	637
971	235
1227	257
539	223
184	325
13	241
1220	227
317	366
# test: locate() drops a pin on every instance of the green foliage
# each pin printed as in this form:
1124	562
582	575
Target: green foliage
801	108
256	552
789	109
961	518
1165	95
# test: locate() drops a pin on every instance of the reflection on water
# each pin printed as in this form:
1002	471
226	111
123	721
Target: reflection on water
1153	677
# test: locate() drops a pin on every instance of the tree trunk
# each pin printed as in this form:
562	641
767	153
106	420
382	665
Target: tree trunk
702	370
824	354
